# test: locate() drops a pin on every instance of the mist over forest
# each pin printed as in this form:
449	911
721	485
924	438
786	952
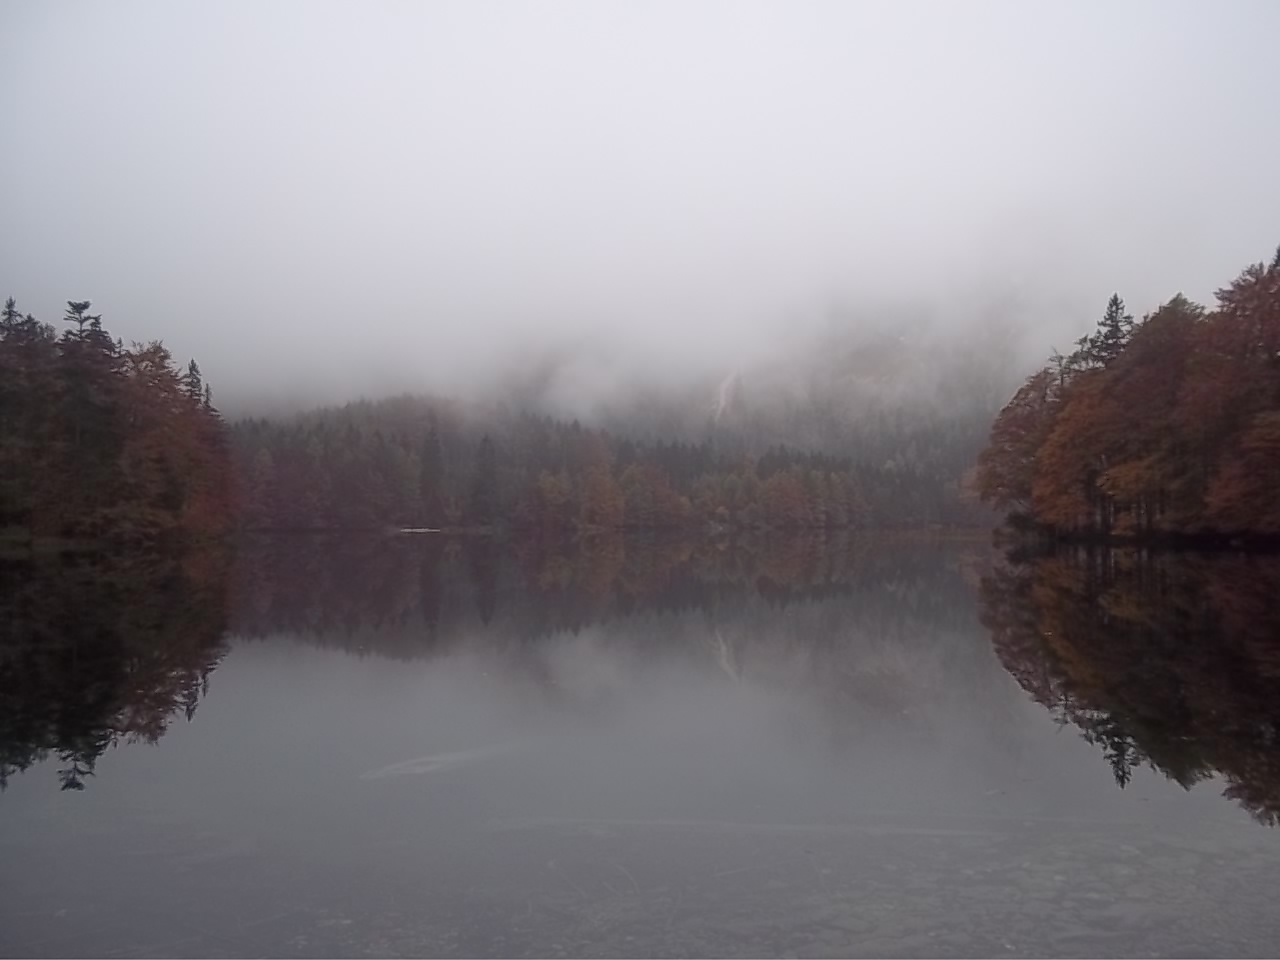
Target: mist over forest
451	265
573	204
616	478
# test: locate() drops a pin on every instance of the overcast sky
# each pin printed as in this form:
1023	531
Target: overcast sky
358	197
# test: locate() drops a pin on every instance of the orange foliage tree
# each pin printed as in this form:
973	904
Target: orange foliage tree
1167	426
97	440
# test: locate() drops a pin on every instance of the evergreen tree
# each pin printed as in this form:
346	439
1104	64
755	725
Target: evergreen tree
484	485
10	319
431	477
192	382
78	313
1114	330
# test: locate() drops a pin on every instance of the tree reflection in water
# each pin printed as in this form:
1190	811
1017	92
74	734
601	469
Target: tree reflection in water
98	649
374	594
1170	660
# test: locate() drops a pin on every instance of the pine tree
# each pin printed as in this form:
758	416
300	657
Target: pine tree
192	382
260	499
78	313
431	477
10	319
1114	330
484	484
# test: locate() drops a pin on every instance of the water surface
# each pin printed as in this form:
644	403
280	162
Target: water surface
417	747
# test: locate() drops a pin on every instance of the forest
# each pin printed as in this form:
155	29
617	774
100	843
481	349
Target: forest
101	440
818	442
1168	426
411	462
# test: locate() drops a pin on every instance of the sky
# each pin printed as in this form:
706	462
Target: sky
325	200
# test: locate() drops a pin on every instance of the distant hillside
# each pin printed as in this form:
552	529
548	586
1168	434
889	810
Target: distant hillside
867	426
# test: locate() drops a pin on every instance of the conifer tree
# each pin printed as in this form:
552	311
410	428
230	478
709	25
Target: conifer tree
484	484
192	382
1114	330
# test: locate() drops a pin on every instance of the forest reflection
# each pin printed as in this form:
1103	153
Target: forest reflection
1170	660
353	592
864	631
100	649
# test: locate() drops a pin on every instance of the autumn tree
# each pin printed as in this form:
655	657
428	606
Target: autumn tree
1006	468
97	440
1163	427
603	502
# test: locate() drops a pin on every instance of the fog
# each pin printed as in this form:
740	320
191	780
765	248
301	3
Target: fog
325	200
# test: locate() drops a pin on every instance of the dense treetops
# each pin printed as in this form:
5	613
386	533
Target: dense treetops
422	461
418	462
97	439
414	463
1165	426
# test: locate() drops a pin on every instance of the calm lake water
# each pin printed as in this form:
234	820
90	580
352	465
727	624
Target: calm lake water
414	747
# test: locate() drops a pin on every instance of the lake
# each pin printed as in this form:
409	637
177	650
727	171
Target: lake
427	747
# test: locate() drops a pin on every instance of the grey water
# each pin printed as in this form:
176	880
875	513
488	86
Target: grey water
855	748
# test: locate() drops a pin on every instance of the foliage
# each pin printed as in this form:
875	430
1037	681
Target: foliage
101	440
1166	427
366	466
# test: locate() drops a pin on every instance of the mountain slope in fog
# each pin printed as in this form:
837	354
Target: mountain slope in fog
849	425
836	390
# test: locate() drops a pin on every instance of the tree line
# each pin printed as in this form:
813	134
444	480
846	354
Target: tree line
102	440
416	462
99	440
1167	426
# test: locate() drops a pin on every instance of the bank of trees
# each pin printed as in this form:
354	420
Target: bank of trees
1169	425
102	440
419	462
